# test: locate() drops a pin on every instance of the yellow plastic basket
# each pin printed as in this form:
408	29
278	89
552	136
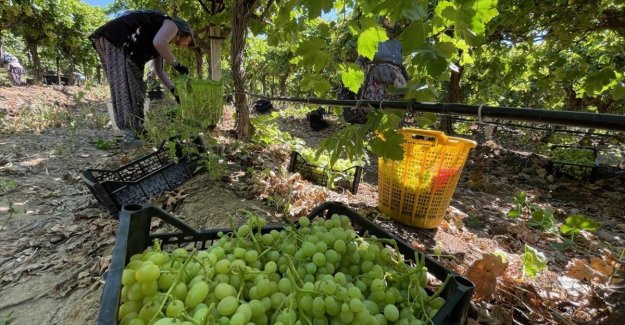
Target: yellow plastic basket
416	190
201	101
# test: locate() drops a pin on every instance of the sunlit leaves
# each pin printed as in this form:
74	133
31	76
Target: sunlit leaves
316	83
420	91
316	7
312	53
469	18
619	91
389	148
352	76
429	58
369	39
388	143
445	49
350	141
543	219
533	262
396	10
599	81
576	223
520	201
412	37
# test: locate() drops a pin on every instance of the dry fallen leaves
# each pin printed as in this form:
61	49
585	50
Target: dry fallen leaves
596	270
484	273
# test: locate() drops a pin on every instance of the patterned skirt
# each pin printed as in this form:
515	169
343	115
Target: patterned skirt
126	83
378	90
15	73
374	90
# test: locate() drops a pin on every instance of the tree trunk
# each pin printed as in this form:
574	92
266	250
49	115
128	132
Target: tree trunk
215	52
573	102
58	72
32	48
70	73
240	17
453	96
264	83
283	85
199	64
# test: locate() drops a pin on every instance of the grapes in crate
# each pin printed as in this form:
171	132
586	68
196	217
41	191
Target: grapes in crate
318	272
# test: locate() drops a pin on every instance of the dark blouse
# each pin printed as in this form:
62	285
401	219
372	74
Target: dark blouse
134	32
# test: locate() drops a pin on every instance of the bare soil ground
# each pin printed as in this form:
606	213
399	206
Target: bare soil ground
56	240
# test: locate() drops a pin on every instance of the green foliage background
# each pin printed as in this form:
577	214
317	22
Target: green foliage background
554	54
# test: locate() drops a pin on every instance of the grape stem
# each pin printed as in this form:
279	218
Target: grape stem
440	289
293	271
425	312
173	285
263	252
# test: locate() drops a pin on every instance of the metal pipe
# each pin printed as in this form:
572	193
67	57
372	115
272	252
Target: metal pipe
578	119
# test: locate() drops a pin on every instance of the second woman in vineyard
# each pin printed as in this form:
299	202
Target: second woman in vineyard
125	45
385	71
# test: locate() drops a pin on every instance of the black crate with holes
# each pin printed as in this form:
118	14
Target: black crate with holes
573	161
144	178
324	176
134	236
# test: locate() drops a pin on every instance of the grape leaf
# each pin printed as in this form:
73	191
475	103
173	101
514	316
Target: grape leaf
317	83
576	223
445	49
395	10
599	81
315	7
388	143
312	53
469	17
388	148
543	219
520	197
533	262
481	12
420	91
352	76
427	57
619	91
369	39
514	212
412	37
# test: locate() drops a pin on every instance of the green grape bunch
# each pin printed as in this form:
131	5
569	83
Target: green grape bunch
314	272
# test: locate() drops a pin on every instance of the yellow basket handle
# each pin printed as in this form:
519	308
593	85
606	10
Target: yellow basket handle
439	136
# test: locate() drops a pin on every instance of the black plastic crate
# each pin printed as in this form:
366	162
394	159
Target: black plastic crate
133	237
146	177
156	94
559	167
321	176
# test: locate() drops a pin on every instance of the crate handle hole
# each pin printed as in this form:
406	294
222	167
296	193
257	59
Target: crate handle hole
132	207
424	138
464	281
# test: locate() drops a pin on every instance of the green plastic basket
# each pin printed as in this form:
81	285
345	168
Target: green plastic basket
201	101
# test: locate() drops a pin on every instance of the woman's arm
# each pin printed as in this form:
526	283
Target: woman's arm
161	41
162	76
